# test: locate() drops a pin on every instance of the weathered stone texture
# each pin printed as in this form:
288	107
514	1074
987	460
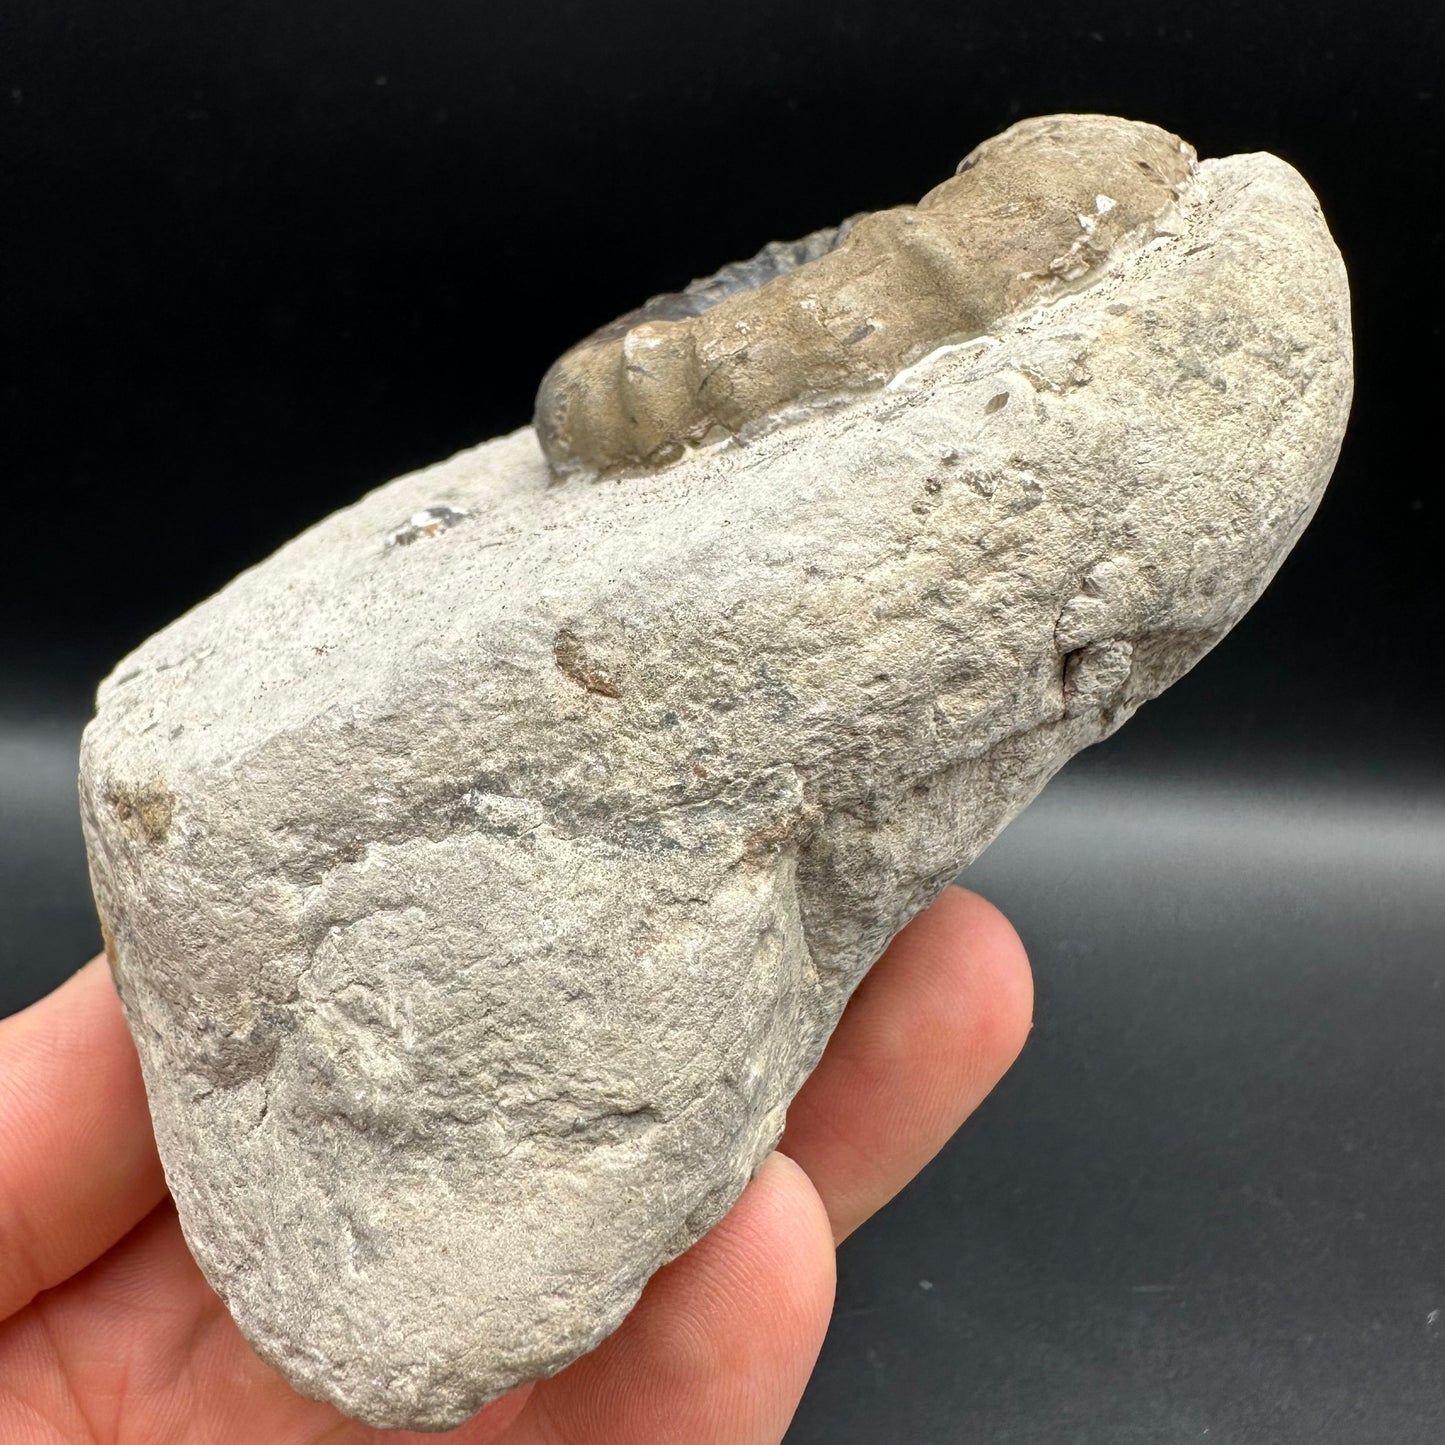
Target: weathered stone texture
486	870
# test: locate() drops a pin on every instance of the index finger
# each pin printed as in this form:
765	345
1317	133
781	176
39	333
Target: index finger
78	1164
927	1035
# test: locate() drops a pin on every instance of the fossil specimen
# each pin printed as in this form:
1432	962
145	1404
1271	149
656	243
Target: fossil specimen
1050	201
485	871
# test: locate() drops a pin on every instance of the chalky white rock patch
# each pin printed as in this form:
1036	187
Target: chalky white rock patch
485	871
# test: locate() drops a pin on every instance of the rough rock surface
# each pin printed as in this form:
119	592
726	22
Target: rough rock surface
485	871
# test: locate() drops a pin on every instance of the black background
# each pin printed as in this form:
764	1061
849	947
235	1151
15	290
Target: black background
258	258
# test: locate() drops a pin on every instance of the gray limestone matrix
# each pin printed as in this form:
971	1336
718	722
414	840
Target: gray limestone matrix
484	872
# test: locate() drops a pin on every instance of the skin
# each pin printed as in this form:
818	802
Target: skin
109	1333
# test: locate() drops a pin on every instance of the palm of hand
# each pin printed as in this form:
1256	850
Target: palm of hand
109	1333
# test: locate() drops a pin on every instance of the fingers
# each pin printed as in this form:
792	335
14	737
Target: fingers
78	1164
719	1348
716	1352
722	1342
139	1347
927	1035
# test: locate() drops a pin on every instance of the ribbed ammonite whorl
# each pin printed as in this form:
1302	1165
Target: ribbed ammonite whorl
1029	213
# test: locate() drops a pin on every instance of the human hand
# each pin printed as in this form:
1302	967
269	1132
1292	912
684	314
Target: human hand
109	1333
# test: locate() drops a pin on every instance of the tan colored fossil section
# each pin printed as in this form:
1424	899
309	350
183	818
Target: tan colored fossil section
1030	212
